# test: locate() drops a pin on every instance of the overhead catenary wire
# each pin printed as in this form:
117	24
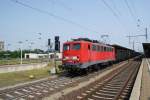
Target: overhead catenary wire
134	15
134	9
54	16
110	8
139	18
61	3
115	7
130	10
114	13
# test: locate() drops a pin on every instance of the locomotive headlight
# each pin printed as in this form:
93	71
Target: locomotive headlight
65	58
75	58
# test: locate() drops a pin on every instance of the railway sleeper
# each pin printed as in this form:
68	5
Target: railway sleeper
96	97
109	94
113	87
104	91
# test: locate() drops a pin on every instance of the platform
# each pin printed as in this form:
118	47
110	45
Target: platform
141	89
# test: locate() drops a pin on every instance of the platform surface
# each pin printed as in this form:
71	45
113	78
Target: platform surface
145	84
141	88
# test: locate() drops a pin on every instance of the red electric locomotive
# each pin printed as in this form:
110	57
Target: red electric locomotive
82	53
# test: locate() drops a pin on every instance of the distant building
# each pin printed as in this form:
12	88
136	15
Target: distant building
1	45
41	56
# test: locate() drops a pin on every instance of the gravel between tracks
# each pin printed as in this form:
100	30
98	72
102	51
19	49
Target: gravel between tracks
81	84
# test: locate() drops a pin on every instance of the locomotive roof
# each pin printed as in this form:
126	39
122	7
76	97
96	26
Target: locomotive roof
85	41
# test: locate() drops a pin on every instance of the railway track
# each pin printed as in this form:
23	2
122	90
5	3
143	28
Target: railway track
117	85
35	90
38	90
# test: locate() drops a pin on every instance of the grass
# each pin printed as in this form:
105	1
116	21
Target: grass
13	78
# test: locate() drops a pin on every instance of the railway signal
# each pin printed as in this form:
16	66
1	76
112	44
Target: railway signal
57	44
57	49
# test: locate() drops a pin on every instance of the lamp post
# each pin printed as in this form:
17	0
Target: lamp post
40	38
27	43
55	61
8	46
20	42
31	45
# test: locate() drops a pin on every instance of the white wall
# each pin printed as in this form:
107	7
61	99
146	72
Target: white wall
37	56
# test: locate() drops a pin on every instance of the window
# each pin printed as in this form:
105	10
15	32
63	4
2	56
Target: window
66	47
98	48
94	47
106	48
76	46
102	49
110	49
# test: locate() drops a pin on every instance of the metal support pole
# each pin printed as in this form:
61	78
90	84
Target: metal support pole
21	56
146	36
55	62
20	42
133	45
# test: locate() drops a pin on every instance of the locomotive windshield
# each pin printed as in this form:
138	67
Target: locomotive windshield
66	47
76	46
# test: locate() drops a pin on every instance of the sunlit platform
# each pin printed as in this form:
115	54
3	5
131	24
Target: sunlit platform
141	89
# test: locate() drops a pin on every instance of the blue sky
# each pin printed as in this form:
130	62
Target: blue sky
19	23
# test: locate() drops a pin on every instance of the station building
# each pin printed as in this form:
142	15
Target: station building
42	56
146	47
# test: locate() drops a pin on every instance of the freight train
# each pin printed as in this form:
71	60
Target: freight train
83	53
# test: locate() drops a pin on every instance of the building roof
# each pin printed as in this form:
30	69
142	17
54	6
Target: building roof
146	47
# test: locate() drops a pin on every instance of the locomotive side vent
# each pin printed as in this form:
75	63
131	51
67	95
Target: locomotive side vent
86	39
82	39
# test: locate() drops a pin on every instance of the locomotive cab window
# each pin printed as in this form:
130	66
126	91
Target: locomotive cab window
76	46
93	47
66	47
